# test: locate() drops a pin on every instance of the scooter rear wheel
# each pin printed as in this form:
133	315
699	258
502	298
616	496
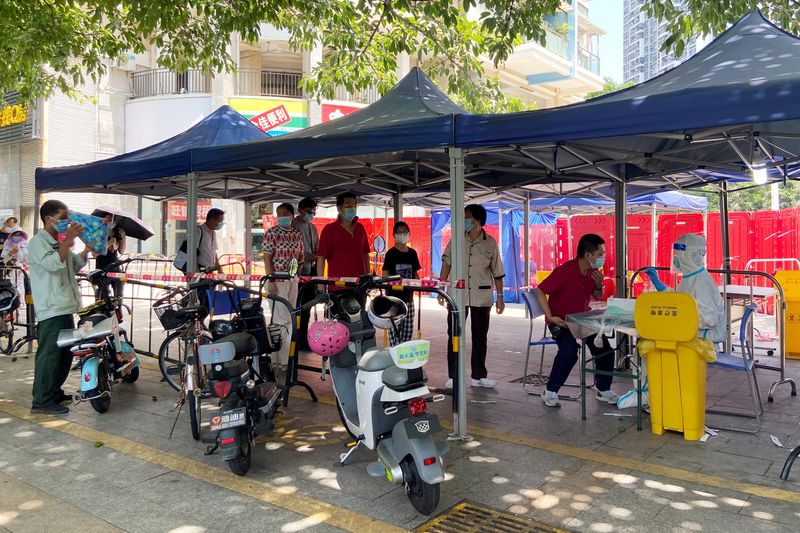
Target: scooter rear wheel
102	403
240	464
424	497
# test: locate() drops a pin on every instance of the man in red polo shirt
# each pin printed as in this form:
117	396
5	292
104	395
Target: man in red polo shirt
343	243
570	287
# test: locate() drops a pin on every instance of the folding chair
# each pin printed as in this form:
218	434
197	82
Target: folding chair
743	362
539	378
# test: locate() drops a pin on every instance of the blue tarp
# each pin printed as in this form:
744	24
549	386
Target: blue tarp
512	222
172	157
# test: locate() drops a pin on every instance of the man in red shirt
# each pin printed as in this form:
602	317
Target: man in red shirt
570	287
343	243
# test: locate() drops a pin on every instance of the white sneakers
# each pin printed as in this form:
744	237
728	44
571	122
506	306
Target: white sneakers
484	382
608	396
551	399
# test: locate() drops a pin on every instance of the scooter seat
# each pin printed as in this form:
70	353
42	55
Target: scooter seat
375	359
243	343
401	379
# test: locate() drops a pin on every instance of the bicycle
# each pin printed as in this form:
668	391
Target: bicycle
180	311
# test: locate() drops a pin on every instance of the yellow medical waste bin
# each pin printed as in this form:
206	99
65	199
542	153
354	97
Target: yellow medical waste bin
790	283
666	323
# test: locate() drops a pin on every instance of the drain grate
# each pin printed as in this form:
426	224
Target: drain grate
469	517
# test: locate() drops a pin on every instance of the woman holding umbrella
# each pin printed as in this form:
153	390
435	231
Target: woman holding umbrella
116	246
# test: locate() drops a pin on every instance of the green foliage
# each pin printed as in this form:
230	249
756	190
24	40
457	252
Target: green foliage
609	86
712	17
50	45
756	198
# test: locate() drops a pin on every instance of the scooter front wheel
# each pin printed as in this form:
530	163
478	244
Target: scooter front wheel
424	497
194	413
240	464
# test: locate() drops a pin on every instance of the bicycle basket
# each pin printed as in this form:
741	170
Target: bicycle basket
167	311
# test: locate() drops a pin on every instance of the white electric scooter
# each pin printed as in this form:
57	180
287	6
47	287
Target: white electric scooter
382	395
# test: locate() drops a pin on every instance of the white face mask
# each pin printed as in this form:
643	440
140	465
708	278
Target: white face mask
402	238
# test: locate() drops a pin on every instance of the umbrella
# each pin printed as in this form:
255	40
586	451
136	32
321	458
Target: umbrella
131	225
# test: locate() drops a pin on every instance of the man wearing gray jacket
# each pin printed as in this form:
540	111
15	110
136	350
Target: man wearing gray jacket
54	286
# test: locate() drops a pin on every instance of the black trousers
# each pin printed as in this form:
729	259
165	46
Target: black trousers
479	322
567	356
305	294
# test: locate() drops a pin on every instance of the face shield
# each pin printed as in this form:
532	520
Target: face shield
688	254
678	250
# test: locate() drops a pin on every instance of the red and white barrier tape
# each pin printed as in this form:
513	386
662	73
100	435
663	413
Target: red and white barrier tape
427	283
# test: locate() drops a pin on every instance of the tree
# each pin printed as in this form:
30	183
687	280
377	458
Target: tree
55	45
712	17
609	86
756	198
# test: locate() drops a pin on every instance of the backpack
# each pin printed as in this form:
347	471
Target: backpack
181	260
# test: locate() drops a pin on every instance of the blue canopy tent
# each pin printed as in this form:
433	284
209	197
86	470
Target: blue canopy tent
142	172
513	220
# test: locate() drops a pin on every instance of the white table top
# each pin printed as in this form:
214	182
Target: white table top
744	291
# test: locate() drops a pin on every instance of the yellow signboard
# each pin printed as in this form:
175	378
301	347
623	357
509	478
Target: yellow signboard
13	114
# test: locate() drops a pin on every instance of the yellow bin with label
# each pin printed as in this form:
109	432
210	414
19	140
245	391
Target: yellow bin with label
666	323
790	283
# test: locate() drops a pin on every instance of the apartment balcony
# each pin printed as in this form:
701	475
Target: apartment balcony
156	82
589	61
254	82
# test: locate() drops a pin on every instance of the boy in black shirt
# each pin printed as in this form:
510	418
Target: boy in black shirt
402	261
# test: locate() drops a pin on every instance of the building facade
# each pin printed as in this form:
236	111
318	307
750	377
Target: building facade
562	70
642	42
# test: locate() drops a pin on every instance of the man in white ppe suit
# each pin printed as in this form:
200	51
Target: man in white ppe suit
689	258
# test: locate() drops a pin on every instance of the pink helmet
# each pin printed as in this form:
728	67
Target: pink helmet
328	337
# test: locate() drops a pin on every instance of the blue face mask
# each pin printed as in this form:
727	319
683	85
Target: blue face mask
284	222
599	262
468	224
62	225
308	217
350	213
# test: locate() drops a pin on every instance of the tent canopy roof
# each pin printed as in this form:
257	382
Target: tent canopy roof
710	119
133	172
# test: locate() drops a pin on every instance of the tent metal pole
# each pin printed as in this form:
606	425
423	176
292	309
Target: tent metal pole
654	235
248	236
191	223
457	272
570	250
139	213
526	240
621	234
726	258
398	206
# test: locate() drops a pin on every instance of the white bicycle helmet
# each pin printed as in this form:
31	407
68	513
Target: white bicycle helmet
386	312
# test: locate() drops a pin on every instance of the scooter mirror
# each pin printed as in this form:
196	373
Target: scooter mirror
379	244
293	266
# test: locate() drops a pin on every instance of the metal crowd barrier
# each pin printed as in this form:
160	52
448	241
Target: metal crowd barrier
13	274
